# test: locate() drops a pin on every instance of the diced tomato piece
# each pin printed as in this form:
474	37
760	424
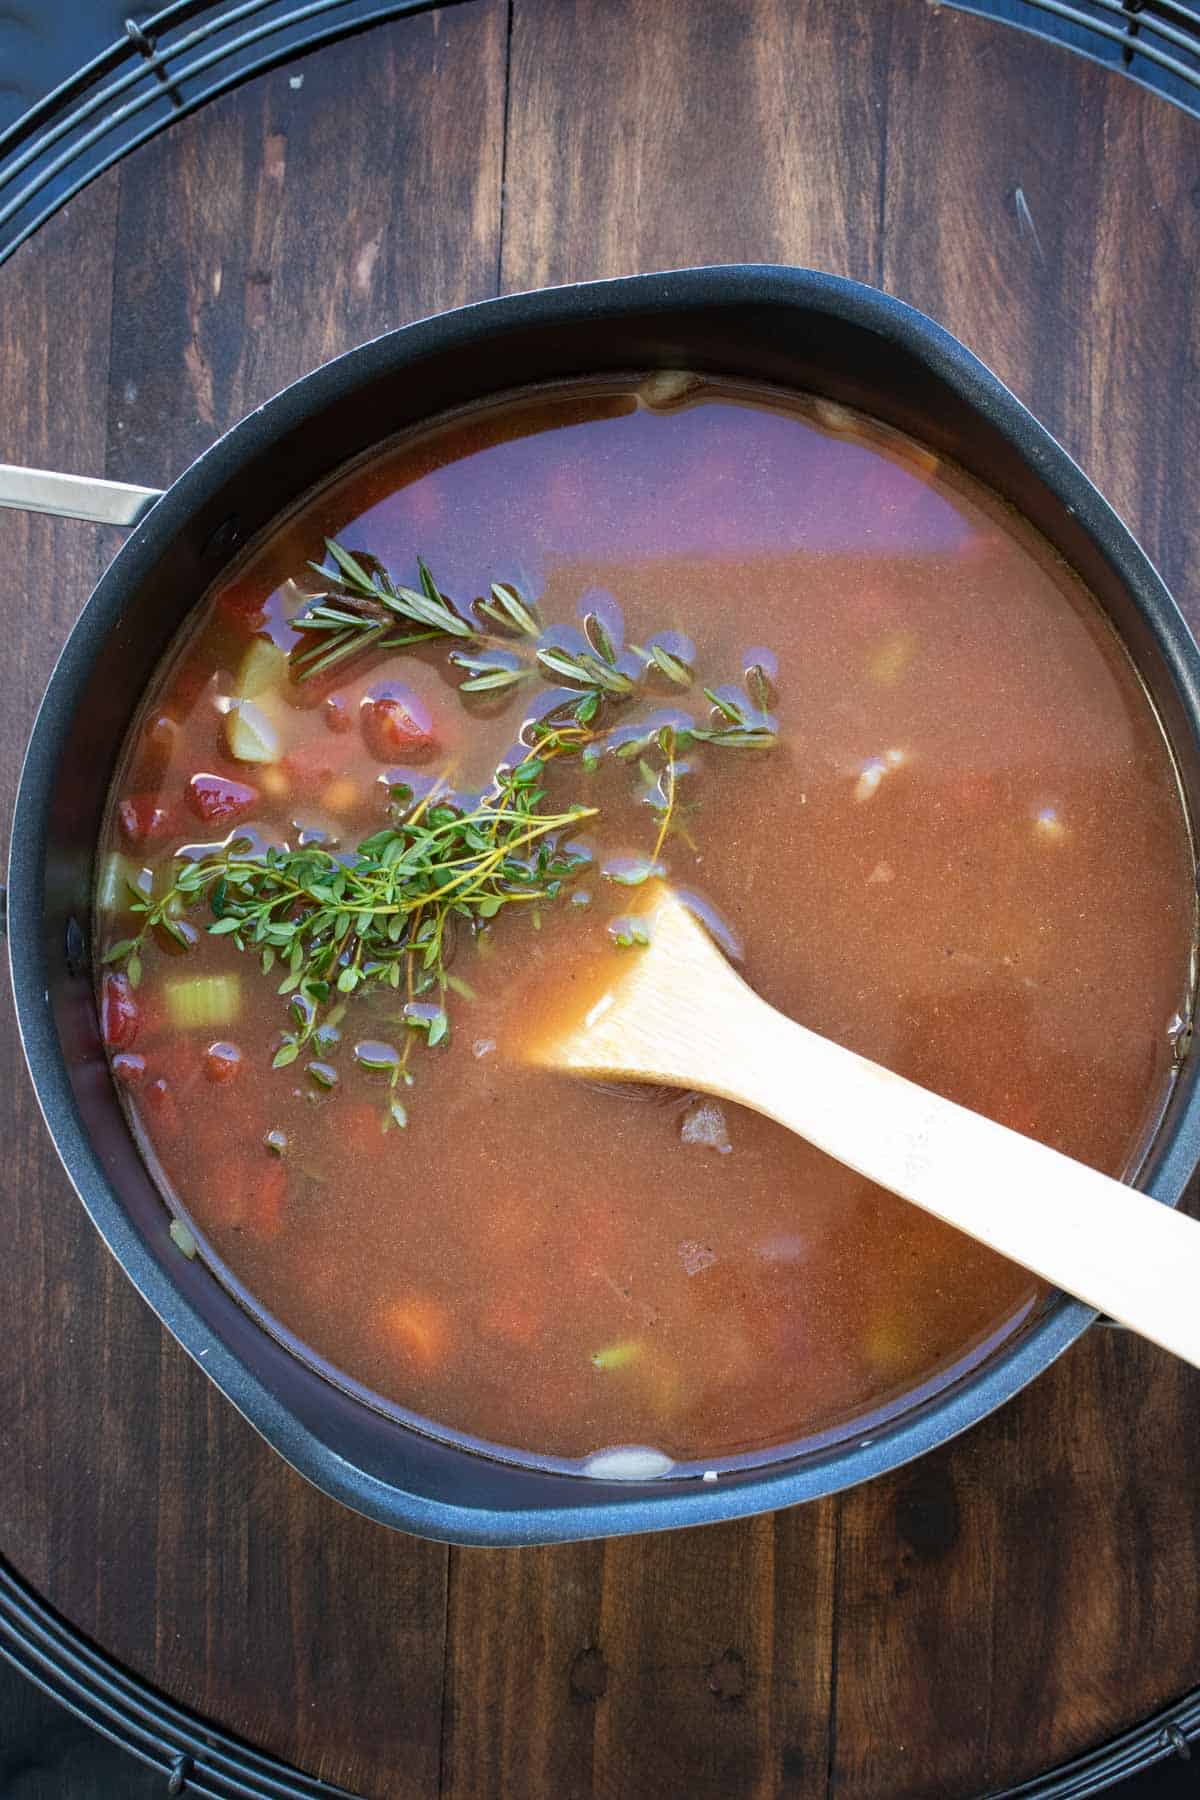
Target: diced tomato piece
337	714
188	683
244	604
218	800
420	1327
141	819
119	1014
128	1067
157	748
222	1063
396	723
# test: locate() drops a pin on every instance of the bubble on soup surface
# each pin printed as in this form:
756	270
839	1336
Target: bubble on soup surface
782	1247
695	1257
869	778
1048	826
666	387
628	1462
704	1124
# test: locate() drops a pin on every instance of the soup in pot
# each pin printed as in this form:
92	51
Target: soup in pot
409	771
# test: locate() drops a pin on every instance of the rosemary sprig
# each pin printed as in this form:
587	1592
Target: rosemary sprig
365	605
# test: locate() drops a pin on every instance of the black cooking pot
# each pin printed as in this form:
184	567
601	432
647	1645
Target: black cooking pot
786	326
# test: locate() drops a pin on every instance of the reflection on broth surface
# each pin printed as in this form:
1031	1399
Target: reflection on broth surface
848	702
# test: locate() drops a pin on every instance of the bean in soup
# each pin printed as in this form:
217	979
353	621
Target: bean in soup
408	770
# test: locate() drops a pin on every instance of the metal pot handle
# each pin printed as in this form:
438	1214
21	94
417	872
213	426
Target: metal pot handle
74	496
71	497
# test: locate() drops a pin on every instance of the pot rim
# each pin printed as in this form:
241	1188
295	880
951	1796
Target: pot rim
631	1506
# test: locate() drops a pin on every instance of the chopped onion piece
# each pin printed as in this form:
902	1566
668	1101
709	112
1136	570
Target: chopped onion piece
251	736
629	1462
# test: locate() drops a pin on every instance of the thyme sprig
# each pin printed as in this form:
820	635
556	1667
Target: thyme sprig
391	914
386	916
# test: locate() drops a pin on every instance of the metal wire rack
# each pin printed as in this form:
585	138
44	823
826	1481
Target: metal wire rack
167	64
1156	42
161	67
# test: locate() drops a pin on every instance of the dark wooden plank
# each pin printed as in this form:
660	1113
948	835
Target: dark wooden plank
1059	237
53	377
1050	249
345	194
644	136
283	224
971	170
684	1663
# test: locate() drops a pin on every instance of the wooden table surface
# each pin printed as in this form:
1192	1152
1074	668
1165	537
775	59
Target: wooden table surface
1003	1604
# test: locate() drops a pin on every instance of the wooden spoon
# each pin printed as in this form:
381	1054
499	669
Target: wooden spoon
677	1013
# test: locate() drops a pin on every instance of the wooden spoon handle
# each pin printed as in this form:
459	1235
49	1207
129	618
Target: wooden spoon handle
680	1014
1109	1244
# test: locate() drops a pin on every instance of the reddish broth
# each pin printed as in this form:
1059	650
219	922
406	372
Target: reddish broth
966	857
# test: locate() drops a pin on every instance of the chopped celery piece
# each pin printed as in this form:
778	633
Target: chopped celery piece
263	668
250	734
118	874
617	1355
182	1238
198	1002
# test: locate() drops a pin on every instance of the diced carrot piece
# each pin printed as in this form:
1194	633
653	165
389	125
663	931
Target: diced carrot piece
244	604
420	1327
341	795
274	782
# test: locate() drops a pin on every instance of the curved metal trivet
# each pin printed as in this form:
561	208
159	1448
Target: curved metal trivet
164	65
198	1760
168	63
195	1759
1157	42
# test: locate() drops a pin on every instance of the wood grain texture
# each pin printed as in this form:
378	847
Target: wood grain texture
1005	1603
685	1663
644	136
284	224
